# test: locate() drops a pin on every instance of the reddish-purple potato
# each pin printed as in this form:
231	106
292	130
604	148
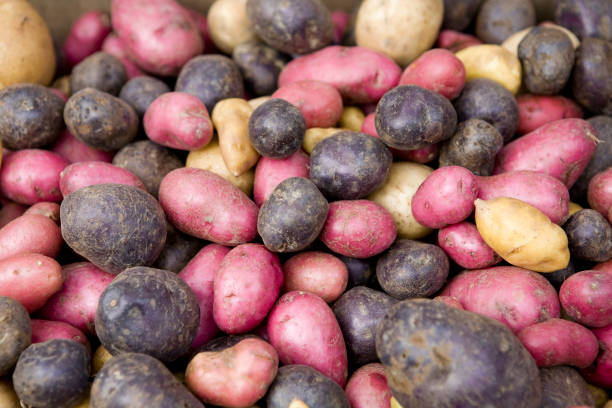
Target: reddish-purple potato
316	272
587	297
86	36
43	330
319	102
269	173
367	387
88	173
464	245
30	234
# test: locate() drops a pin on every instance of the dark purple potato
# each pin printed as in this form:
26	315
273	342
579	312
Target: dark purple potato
298	386
349	165
137	380
178	251
260	66
211	78
15	332
458	14
101	71
141	91
360	270
410	117
114	226
488	100
359	311
276	129
412	269
589	236
557	278
31	116
585	18
547	57
150	311
149	161
592	78
564	387
438	356
293	215
292	26
473	146
53	374
499	19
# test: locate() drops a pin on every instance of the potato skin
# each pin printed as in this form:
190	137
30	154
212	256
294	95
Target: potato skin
367	387
492	62
599	373
86	36
458	14
538	110
44	330
269	173
16	332
178	250
591	85
316	272
74	150
147	310
586	297
141	91
589	235
464	245
498	19
438	70
228	25
585	18
45	208
260	66
89	173
564	387
101	71
32	233
599	194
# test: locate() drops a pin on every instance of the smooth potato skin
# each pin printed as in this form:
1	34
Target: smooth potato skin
498	19
538	110
88	173
458	14
586	297
599	194
141	91
10	211
495	63
115	46
437	70
316	272
16	330
455	41
43	330
30	233
101	71
47	209
269	173
228	25
564	387
74	150
86	36
464	245
589	235
591	85
367	387
319	102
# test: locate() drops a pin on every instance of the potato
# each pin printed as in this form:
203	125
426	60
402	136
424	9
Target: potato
205	205
591	86
464	245
30	116
437	70
569	33
141	91
585	18
430	352
538	110
316	272
585	297
27	46
352	118
116	46
256	102
74	150
235	377
10	211
564	387
557	278
47	209
589	235
89	173
86	36
101	71
601	159
493	62
456	41
449	301
559	342
459	14
314	136
228	24
498	19
44	330
16	332
8	397
269	173
100	357
30	233
360	270
276	129
246	286
52	374
599	373
178	250
512	42
134	379
149	311
260	66
319	102
367	387
516	297
599	193
403	33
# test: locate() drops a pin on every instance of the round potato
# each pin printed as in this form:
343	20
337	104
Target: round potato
228	24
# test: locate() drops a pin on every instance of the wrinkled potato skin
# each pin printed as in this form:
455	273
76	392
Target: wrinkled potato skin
563	387
498	19
16	332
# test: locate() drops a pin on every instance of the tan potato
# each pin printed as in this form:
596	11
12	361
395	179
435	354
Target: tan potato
574	208
255	102
210	158
26	47
229	25
394	403
493	62
352	118
396	197
231	119
522	234
314	135
63	84
100	357
401	31
599	395
511	43
8	398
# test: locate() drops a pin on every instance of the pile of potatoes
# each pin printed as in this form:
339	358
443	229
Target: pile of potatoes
276	205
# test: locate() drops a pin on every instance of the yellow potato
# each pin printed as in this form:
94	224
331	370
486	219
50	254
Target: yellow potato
229	25
599	395
26	47
396	197
63	84
493	62
256	102
574	208
231	119
394	403
352	118
8	398
314	135
522	234
210	158
511	43
100	357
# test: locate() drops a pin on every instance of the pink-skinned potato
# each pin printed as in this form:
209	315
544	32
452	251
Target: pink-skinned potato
43	330
437	70
86	36
450	301
30	279
513	296
200	275
586	297
238	376
561	149
316	272
115	46
456	41
599	193
73	150
544	192
247	284
270	172
604	266
371	75
76	302
538	110
202	24
200	203
600	373
559	342
341	21
46	208
10	211
88	173
368	388
303	329
33	233
464	245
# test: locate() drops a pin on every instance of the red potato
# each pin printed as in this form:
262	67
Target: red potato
115	46
151	31
247	284
341	21
43	330
464	245
30	176
49	210
200	203
450	301
86	36
73	150
200	274
32	233
371	74
540	190
437	70
316	272
559	342
238	376
358	228
10	211
599	193
561	149
445	197
202	24
60	94
76	302
514	296
538	110
304	330
178	120
604	266
89	173
455	40
270	172
30	279
368	388
587	297
319	102
600	373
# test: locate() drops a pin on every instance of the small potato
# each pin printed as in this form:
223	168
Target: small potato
269	173
492	62
44	330
367	387
314	136
360	270
178	250
260	66
101	71
8	397
599	193
16	333
228	25
100	357
74	150
45	208
141	91
564	387
89	173
589	235
319	102
458	14
456	41
352	118
591	85
586	298
437	70
276	129
86	36
538	110
33	233
115	46
316	272
464	245
512	43
569	33
498	19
